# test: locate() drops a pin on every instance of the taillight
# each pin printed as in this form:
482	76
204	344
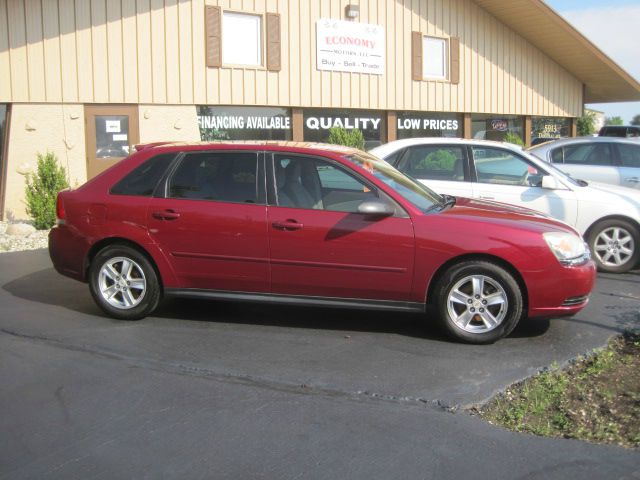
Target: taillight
60	213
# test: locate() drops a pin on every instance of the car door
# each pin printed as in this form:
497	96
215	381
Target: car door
211	221
504	176
629	156
443	168
321	246
592	161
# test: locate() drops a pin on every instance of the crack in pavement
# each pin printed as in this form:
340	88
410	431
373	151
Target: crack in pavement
235	378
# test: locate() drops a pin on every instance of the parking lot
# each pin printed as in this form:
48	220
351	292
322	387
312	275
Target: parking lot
227	390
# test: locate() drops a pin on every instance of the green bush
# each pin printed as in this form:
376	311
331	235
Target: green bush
348	138
438	160
586	124
514	138
42	190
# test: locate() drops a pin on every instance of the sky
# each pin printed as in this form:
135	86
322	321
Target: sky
613	27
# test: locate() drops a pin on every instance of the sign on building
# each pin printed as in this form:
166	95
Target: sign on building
349	46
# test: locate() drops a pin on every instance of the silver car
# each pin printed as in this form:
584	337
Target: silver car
598	159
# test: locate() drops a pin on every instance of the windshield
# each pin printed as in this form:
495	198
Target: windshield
421	196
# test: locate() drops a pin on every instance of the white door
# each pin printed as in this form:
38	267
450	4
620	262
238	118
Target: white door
630	165
506	177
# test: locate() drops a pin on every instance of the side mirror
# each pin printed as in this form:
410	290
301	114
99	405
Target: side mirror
376	208
550	182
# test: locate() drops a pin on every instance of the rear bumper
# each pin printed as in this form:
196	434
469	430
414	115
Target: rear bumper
560	291
67	251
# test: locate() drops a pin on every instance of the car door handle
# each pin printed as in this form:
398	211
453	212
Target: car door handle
487	197
166	215
288	225
632	180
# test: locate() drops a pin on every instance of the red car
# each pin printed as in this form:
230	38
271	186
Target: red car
316	225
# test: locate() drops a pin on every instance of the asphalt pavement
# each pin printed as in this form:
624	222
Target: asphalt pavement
209	389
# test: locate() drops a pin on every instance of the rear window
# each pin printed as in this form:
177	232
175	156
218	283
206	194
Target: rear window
143	180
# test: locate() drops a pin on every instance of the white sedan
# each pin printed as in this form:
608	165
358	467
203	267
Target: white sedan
608	217
598	159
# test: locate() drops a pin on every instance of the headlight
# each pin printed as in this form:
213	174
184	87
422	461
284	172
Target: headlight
569	249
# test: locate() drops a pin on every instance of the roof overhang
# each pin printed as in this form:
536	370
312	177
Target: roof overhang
539	24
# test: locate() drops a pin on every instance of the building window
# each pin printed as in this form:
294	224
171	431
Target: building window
496	127
318	122
244	123
548	128
418	124
434	64
241	39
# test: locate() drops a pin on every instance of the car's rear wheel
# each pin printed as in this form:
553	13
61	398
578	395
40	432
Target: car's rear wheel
123	283
614	245
478	302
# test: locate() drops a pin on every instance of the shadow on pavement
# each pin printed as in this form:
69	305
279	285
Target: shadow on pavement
75	296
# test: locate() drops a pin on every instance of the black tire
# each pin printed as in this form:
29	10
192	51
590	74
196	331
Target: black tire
126	295
604	253
481	283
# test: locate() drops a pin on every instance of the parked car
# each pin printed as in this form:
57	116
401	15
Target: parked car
316	225
608	217
625	131
599	159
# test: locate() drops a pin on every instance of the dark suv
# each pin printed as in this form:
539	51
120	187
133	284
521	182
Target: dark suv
620	131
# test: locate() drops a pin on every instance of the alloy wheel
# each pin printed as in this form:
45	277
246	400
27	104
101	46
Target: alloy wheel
477	304
122	283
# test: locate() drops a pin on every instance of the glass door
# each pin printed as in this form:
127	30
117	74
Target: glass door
111	133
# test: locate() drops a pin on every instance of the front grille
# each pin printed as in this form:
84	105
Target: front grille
572	301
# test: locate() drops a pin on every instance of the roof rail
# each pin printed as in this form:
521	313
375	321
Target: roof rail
146	146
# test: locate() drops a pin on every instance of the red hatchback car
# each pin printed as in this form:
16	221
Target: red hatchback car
316	225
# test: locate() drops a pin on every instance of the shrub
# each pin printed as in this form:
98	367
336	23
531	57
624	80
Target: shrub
514	138
42	189
348	138
438	160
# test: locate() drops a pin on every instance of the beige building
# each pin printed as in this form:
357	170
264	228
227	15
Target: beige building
88	79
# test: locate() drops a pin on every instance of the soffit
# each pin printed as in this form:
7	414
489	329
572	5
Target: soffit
604	80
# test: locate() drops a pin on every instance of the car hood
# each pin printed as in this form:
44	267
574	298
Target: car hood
616	190
490	213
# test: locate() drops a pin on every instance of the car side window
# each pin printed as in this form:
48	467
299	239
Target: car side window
629	155
312	183
223	177
142	181
588	154
557	155
435	162
502	167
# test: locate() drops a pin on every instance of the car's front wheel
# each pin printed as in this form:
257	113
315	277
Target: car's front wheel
124	283
478	302
614	245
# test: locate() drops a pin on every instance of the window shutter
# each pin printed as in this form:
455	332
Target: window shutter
454	60
416	56
213	32
273	42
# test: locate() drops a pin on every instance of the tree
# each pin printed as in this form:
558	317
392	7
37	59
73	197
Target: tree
614	121
586	124
636	120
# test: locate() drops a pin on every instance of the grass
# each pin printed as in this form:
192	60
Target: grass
597	398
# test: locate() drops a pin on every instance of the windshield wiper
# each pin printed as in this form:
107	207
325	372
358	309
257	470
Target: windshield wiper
449	200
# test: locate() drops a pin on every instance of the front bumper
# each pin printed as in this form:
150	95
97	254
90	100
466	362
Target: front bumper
560	291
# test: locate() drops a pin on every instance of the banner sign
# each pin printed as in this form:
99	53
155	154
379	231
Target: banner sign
349	46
